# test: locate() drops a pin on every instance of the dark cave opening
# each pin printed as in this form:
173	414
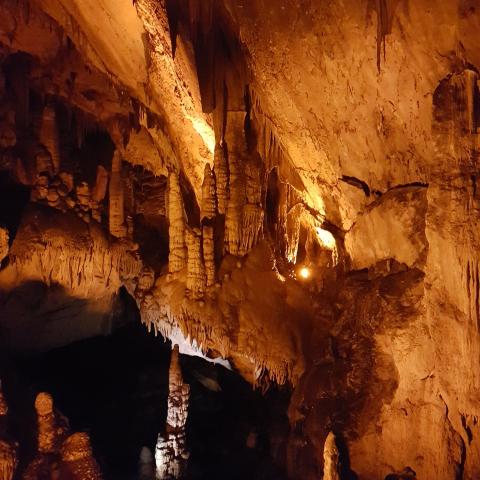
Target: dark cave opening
115	388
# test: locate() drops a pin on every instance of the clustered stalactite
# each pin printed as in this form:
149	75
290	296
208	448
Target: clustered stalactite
176	216
171	453
195	265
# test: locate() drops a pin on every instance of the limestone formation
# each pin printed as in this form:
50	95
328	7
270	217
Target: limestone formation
146	465
331	470
208	209
116	214
177	256
8	460
99	190
171	453
51	426
208	248
78	462
220	170
235	142
49	136
43	163
195	265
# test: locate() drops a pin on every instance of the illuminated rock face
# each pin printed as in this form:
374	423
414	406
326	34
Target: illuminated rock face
171	452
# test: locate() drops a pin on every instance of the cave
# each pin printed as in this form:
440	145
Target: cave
238	239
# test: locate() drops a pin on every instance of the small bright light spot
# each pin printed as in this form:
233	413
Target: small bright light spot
304	272
326	239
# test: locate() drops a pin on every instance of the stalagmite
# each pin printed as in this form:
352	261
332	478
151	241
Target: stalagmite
171	454
208	194
220	171
177	253
116	207
236	148
49	135
209	254
8	460
330	459
78	462
195	266
8	448
52	428
146	465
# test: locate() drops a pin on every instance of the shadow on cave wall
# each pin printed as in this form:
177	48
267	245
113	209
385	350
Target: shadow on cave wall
38	317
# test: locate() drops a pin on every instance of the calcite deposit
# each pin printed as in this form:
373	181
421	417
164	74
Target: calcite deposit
288	187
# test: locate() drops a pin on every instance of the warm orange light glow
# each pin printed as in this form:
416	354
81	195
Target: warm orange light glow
304	272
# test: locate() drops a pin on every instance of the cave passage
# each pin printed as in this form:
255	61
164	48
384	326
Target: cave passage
115	388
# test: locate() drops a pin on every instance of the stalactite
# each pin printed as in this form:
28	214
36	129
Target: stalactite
52	428
236	148
78	462
209	254
177	253
195	266
171	452
208	194
330	458
49	135
253	212
116	207
99	190
220	170
293	232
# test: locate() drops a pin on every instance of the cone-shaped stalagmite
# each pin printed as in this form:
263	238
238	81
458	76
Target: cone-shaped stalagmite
171	452
331	459
116	214
49	136
177	255
52	428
